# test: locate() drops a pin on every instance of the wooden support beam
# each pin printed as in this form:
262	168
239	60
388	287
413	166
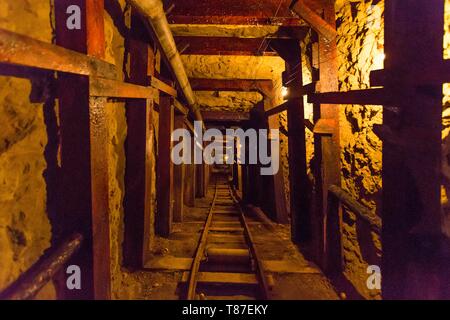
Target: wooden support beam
200	190
180	108
414	248
236	20
178	179
189	179
246	85
84	188
278	109
225	116
434	73
365	97
225	46
325	127
276	181
100	87
309	125
320	25
232	8
24	51
327	147
138	152
299	92
298	180
163	87
164	215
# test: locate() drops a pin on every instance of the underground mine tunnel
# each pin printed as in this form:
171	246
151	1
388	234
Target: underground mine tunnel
224	149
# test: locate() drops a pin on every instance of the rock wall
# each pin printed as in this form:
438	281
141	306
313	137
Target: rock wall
360	50
25	229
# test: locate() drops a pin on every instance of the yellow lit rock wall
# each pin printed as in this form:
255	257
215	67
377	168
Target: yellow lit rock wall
25	230
360	49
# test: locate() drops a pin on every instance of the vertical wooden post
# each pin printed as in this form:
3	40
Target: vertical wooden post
200	181
300	189
411	235
298	179
164	214
277	180
327	150
178	179
138	150
84	199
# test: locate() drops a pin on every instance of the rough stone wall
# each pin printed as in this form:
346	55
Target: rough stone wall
360	50
25	230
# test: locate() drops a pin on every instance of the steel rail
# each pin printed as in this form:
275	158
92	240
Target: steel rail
260	273
200	253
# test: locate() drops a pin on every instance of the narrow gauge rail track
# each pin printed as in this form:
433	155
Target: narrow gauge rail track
226	264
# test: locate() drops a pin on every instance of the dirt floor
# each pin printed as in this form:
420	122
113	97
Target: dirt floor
294	277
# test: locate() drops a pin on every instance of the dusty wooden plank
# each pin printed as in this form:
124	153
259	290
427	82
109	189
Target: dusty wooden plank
100	87
22	50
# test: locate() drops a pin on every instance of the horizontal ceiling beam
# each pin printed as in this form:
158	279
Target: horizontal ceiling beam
239	31
263	86
224	46
237	20
250	8
225	116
